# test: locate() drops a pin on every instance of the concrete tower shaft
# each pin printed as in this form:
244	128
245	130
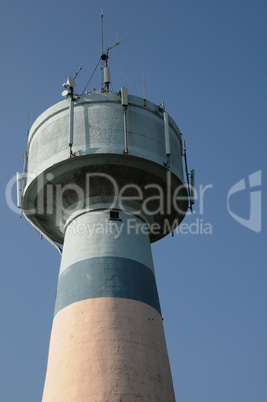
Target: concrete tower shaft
107	341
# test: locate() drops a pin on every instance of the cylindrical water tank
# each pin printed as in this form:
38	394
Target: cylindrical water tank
150	180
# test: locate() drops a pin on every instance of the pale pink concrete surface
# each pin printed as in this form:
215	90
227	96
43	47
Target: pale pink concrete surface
108	350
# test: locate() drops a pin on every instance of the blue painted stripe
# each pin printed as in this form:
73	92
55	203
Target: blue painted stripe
107	277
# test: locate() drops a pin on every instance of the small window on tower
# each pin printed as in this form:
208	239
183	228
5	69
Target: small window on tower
114	215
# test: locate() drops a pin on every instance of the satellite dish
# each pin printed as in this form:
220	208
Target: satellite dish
65	93
71	82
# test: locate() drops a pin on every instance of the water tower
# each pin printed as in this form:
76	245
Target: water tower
105	179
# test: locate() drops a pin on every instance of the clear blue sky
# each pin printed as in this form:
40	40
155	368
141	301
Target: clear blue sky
207	61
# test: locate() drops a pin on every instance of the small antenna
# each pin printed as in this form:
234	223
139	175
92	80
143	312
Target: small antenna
25	164
102	16
144	85
190	184
102	49
77	72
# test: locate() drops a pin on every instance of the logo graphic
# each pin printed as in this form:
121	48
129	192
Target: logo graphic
254	220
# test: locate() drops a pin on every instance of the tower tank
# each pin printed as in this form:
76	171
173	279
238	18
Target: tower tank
105	179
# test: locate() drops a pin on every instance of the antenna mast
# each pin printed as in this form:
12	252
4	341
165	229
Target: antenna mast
102	50
105	71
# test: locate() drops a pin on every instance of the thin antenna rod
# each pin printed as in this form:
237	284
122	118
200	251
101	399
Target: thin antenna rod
77	72
28	123
102	49
25	163
116	44
102	45
144	85
187	179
